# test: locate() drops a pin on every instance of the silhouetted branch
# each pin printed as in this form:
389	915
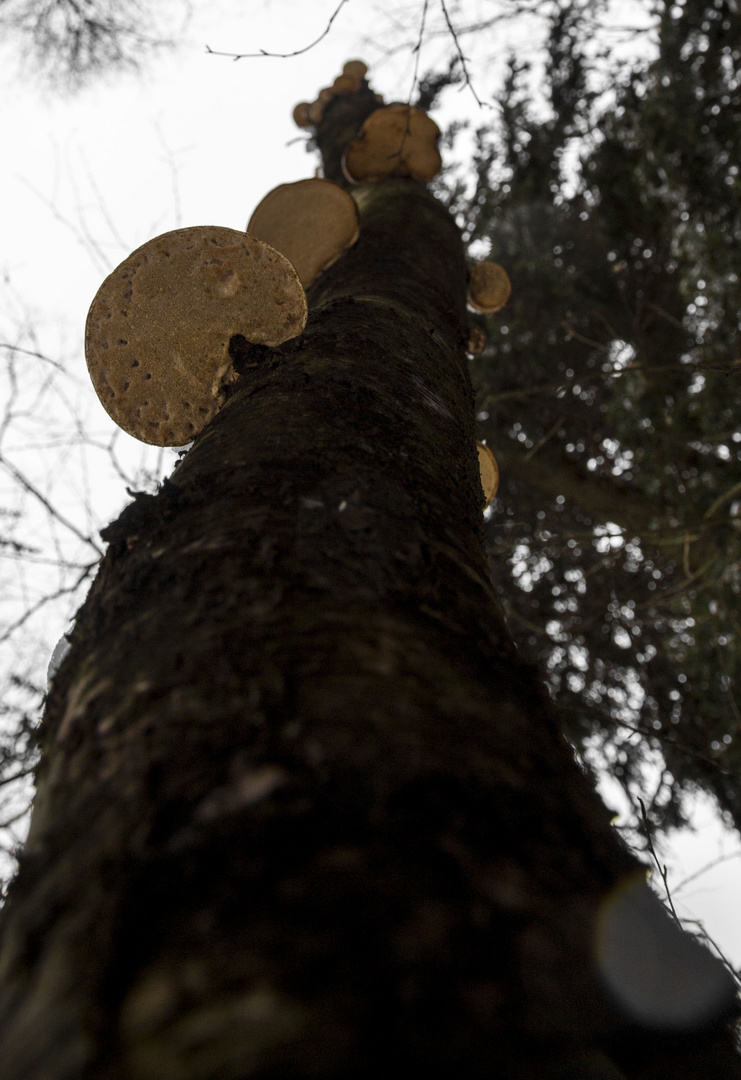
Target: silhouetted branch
464	65
282	56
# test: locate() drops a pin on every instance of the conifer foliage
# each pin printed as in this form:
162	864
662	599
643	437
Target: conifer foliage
609	391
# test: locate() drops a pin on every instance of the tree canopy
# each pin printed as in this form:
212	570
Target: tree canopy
73	42
609	392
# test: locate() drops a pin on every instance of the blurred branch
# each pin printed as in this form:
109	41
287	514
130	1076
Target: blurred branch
704	869
33	490
33	353
686	750
71	43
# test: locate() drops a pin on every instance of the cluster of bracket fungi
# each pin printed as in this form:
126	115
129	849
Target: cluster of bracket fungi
309	114
158	333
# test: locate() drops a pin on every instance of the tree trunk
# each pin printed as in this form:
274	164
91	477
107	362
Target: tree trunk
302	811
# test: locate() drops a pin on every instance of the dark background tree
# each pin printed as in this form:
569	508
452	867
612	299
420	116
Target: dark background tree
609	390
73	42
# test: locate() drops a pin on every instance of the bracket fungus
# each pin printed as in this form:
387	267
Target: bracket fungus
397	140
489	471
356	69
301	114
476	340
345	84
312	222
158	330
309	114
488	288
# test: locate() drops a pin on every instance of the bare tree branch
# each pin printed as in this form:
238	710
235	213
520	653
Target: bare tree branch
282	56
33	490
462	58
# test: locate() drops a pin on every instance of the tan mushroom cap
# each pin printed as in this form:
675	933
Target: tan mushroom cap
310	114
488	288
158	331
355	68
397	140
301	116
476	340
312	222
315	113
346	84
489	471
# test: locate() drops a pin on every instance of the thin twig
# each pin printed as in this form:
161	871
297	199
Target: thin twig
33	490
34	354
706	937
677	746
661	868
572	333
543	440
31	609
704	869
681	587
80	232
462	58
12	820
590	376
725	497
28	771
664	315
417	54
281	56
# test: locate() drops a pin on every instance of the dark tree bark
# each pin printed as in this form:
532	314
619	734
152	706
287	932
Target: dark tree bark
302	811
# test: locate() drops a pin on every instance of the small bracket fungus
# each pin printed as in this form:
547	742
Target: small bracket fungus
311	222
301	117
488	288
397	140
356	69
315	113
309	114
346	84
476	340
158	331
489	471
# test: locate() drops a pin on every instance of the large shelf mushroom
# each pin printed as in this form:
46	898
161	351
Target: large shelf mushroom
158	330
312	222
397	140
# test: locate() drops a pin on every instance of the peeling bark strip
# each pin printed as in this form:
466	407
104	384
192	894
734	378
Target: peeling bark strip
302	811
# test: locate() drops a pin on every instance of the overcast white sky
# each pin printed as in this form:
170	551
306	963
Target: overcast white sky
197	140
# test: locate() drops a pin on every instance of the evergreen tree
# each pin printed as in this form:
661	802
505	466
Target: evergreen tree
609	391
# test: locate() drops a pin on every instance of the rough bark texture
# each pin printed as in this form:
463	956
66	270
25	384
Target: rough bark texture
302	811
